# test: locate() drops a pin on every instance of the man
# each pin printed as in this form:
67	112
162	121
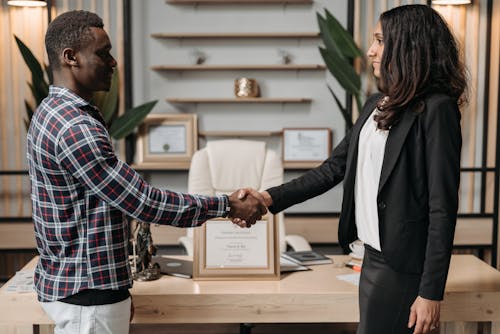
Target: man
81	192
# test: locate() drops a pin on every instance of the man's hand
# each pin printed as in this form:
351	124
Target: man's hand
248	209
424	314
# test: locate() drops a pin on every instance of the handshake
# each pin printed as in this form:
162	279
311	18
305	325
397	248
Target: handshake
248	206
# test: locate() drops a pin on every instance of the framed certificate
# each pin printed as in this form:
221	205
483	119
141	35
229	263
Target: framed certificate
306	144
167	138
225	251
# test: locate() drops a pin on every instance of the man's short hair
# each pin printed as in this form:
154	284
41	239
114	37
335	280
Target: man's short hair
69	30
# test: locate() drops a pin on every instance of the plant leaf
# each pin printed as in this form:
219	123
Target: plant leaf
39	92
107	102
29	109
342	71
98	100
29	59
47	70
126	123
327	37
29	114
345	113
341	36
109	108
39	86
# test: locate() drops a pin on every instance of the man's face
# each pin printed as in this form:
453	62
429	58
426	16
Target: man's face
95	63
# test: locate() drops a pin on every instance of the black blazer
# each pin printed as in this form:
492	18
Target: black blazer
418	189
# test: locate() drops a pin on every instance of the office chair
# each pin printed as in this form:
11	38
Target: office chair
224	166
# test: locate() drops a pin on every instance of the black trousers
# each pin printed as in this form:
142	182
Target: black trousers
385	296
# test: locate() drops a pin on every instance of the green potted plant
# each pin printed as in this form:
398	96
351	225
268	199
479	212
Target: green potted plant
338	52
119	125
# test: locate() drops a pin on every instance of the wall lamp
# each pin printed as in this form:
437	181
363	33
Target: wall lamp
451	2
27	3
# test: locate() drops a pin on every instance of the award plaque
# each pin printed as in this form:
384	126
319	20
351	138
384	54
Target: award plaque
306	144
225	251
167	138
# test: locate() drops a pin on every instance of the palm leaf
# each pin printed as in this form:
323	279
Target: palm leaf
29	114
345	113
341	37
39	86
330	43
98	99
126	123
342	71
110	103
39	92
29	59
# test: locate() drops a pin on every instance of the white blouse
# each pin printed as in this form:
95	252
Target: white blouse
371	150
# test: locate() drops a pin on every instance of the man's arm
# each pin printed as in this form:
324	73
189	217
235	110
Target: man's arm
85	151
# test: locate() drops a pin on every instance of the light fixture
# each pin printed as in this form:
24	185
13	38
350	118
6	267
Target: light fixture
451	2
27	3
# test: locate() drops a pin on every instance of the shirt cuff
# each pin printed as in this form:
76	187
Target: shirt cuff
224	205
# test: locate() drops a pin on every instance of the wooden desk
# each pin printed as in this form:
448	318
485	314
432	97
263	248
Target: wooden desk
472	295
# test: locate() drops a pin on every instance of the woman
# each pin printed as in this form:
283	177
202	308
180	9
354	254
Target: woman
400	167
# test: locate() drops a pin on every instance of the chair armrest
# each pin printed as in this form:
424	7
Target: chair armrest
187	243
297	243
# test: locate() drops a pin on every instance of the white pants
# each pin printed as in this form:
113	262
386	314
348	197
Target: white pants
99	319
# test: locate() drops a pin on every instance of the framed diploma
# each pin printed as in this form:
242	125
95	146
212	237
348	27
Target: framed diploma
306	144
225	251
167	138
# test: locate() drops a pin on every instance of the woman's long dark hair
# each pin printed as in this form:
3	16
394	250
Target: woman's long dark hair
420	57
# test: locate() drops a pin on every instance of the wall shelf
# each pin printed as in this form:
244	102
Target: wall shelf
277	67
231	35
299	165
180	100
232	2
233	134
158	166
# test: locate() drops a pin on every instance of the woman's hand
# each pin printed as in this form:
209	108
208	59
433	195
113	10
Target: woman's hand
424	315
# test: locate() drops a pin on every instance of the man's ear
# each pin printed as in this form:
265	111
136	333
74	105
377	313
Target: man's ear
69	57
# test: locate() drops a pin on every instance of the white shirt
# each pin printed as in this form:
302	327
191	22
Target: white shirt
371	150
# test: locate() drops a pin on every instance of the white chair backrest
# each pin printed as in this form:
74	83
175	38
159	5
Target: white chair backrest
224	166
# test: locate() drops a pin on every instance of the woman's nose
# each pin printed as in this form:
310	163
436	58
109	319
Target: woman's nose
370	52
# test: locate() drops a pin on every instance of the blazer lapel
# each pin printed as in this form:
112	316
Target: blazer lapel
395	141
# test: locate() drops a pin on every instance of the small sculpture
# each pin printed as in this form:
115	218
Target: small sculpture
145	270
199	57
286	57
246	87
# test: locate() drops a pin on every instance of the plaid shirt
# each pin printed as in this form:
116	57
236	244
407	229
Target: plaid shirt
81	193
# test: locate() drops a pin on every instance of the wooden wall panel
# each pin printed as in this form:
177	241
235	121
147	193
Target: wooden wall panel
29	25
494	103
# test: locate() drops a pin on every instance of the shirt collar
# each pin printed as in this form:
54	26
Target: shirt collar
56	91
79	102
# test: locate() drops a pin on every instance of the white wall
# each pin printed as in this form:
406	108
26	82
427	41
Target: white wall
155	16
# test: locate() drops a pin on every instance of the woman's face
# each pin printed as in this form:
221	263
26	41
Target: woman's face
376	50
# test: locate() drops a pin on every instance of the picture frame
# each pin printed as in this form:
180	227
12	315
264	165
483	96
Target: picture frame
164	138
306	145
225	251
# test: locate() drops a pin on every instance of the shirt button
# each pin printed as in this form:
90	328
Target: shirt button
381	205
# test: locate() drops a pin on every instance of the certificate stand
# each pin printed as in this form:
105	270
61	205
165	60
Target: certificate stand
225	251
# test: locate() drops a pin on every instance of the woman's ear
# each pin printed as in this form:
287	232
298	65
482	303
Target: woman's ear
69	57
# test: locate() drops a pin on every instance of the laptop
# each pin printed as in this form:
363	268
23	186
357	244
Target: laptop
174	267
184	268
